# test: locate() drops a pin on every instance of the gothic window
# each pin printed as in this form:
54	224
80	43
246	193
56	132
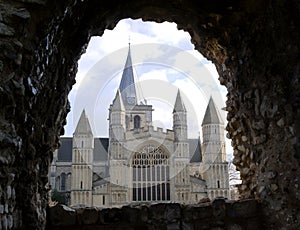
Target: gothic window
218	184
150	175
68	182
103	200
63	182
127	121
58	185
137	122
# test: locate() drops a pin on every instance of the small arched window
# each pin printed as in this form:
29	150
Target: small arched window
127	120
68	182
57	183
63	182
137	122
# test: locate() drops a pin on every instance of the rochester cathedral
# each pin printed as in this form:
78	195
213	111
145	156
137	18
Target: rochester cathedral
138	163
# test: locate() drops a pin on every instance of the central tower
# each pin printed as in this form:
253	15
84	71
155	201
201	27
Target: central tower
128	115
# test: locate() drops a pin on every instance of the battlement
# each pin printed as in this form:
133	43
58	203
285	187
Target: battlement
150	131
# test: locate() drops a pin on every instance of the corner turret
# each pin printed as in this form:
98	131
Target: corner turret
82	162
179	119
214	153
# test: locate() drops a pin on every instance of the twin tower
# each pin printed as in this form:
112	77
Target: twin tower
144	164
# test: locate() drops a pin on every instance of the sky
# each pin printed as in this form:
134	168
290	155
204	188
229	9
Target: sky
164	60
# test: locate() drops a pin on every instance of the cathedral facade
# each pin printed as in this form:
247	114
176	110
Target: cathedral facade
138	163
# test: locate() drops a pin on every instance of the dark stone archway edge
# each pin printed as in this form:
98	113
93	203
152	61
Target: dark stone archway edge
254	45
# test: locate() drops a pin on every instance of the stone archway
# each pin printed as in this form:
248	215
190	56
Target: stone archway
254	45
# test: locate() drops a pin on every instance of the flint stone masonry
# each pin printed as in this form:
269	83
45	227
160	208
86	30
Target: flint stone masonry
255	46
219	214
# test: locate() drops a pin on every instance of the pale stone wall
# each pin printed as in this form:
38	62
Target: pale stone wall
82	164
214	161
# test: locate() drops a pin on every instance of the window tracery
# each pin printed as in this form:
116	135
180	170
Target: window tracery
151	174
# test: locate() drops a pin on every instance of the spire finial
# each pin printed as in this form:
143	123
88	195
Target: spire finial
179	106
129	40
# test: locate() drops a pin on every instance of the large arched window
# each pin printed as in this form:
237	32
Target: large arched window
137	121
151	175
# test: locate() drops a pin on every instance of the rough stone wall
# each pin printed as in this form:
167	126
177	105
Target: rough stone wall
218	215
263	111
33	109
254	44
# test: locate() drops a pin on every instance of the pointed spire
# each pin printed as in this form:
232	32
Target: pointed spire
212	115
118	104
128	85
179	106
83	125
195	150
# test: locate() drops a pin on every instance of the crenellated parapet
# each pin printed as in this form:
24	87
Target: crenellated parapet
149	131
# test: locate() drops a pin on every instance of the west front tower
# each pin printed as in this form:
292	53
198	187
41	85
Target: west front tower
214	153
82	163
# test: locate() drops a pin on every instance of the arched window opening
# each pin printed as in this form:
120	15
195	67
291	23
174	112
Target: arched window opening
127	121
218	184
152	163
58	185
151	180
63	182
68	182
137	122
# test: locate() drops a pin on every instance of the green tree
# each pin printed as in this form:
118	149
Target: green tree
58	197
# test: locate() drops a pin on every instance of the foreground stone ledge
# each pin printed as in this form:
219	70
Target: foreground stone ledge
219	214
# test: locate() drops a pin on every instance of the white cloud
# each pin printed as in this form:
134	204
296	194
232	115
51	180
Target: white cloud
195	103
155	74
168	33
162	114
